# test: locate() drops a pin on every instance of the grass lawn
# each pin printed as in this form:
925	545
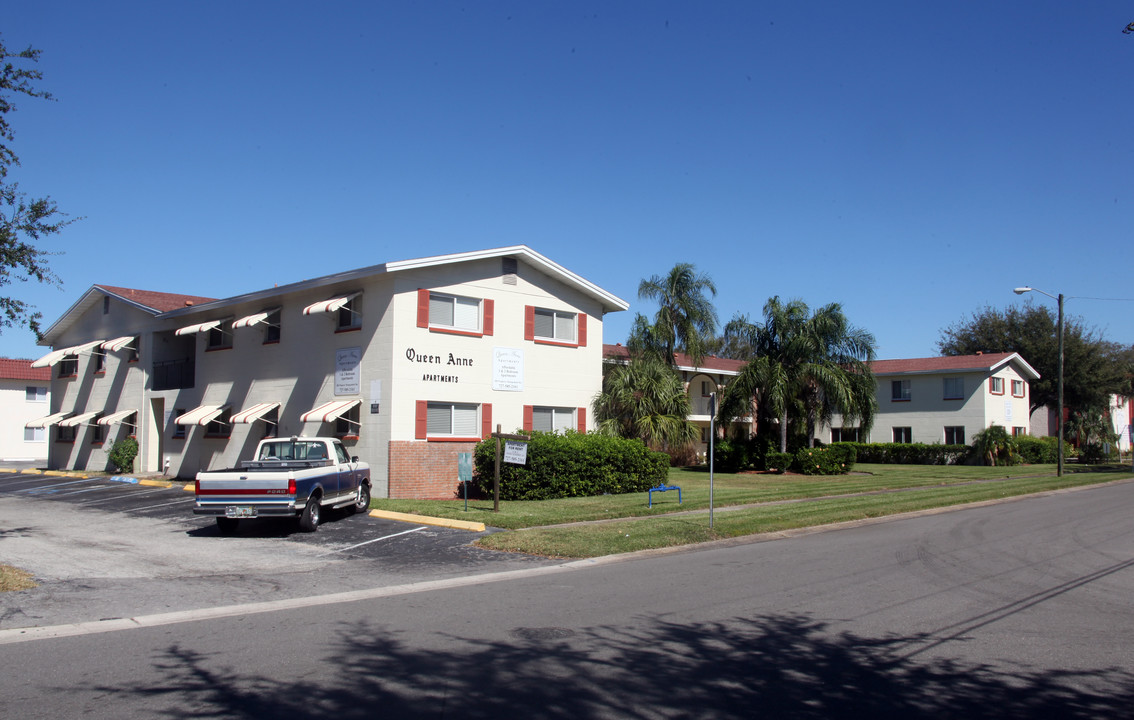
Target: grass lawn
636	527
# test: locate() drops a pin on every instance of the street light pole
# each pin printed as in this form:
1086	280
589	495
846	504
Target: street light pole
1059	331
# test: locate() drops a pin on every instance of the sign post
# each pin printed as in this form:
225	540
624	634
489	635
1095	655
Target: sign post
712	444
517	453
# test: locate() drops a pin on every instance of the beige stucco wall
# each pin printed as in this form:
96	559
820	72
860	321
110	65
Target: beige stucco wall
16	411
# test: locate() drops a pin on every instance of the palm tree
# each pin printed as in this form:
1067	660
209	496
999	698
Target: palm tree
686	320
813	365
644	398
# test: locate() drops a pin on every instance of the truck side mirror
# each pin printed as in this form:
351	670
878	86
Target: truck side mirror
354	458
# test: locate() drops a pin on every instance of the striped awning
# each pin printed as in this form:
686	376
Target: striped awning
201	415
327	306
199	328
254	413
117	343
328	412
56	355
80	419
115	417
47	420
251	320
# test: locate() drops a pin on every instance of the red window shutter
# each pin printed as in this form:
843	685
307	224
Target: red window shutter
422	308
527	418
581	418
489	316
485	420
420	425
582	329
529	322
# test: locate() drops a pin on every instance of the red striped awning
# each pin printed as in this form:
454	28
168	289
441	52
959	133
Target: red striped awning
328	412
202	415
254	413
328	306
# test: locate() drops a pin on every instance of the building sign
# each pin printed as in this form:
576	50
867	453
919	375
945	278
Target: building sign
448	361
507	369
347	380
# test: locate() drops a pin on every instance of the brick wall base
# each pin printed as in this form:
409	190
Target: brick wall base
424	470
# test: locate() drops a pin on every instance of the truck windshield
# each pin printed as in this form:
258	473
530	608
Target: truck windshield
293	450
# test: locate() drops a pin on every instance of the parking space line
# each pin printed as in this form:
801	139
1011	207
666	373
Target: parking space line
47	488
80	492
387	537
181	501
118	497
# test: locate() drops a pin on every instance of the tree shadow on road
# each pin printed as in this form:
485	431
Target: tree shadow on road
770	667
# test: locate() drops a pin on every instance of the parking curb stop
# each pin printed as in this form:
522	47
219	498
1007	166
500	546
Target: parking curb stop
427	520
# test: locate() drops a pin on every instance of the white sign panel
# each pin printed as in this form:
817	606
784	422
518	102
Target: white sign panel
508	369
347	380
515	452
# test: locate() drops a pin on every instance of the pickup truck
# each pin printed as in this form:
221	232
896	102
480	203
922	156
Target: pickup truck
290	477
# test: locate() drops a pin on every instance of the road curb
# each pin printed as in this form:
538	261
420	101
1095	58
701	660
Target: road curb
426	520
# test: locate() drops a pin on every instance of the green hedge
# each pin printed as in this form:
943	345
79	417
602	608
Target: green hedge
778	461
572	465
1038	450
833	459
912	453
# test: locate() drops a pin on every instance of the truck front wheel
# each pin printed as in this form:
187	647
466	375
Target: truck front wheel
362	504
309	518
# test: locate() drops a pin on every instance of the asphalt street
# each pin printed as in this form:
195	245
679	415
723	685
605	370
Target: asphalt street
1019	609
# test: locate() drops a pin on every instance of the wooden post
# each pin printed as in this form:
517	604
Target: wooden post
496	479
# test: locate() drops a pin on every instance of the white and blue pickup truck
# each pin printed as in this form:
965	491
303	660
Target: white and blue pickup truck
290	477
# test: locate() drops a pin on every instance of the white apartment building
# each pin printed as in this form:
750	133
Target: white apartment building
945	399
409	362
24	396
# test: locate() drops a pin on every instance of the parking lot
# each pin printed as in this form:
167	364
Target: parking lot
103	547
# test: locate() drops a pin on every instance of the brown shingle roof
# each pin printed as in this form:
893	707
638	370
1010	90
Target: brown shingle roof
709	362
985	361
159	301
18	369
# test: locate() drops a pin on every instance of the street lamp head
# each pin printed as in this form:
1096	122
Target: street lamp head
1022	290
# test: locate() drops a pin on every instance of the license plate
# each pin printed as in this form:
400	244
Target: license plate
239	511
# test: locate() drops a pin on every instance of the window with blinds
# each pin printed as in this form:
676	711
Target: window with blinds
459	313
554	325
553	419
455	419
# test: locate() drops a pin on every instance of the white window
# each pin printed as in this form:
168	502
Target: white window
955	435
35	394
555	325
348	316
553	419
954	388
35	434
903	435
996	386
453	419
844	434
1018	388
451	311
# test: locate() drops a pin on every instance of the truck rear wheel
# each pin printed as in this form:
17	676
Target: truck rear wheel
309	518
226	525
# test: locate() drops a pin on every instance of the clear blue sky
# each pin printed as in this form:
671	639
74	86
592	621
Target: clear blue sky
912	161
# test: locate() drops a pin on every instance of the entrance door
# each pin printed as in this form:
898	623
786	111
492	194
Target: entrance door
155	436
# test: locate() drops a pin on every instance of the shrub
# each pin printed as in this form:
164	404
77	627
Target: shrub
572	465
830	460
1038	450
778	461
995	446
730	456
911	453
1092	453
122	454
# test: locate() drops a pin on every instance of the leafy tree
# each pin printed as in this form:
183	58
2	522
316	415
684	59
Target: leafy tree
1093	369
686	320
23	221
645	398
801	364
